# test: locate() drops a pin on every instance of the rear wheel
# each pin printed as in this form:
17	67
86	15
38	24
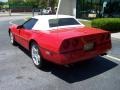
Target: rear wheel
36	56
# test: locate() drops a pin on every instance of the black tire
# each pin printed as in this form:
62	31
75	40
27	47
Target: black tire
12	40
37	60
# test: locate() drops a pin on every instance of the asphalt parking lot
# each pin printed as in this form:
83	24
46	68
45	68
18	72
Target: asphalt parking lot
17	71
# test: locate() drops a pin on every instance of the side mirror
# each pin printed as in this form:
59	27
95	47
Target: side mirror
20	27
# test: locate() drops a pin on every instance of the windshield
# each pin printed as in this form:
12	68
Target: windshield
62	22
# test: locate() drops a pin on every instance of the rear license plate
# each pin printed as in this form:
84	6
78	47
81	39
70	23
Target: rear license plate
88	46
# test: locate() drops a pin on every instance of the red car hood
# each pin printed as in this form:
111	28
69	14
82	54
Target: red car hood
65	33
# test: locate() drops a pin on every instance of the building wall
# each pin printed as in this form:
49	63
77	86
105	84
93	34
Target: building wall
67	7
98	8
89	8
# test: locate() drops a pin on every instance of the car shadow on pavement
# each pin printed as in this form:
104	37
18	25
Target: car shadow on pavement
79	71
82	71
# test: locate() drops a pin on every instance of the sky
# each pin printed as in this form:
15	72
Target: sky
4	0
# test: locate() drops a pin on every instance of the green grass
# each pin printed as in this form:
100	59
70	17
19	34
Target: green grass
86	23
27	18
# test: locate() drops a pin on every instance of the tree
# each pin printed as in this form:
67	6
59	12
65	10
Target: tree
43	3
34	3
1	4
15	3
52	4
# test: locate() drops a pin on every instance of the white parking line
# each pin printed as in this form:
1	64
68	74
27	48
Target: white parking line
116	35
113	57
11	22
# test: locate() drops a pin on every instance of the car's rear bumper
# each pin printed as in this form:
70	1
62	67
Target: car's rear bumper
75	56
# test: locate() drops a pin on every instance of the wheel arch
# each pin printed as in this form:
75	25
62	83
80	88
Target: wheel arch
30	43
34	41
9	31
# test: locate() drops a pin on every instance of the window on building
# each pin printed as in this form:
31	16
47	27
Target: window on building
98	7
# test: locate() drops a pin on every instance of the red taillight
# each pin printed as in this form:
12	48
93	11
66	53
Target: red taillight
102	37
108	36
105	36
66	44
75	42
70	45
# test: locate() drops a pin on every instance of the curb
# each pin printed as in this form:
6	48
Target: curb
116	35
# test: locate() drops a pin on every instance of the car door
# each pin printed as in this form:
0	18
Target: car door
26	32
15	31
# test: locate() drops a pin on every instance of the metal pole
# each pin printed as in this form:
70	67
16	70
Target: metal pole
9	8
9	12
33	12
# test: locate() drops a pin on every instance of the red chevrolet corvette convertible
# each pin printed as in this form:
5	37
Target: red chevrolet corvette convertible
60	39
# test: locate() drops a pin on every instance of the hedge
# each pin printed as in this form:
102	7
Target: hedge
110	24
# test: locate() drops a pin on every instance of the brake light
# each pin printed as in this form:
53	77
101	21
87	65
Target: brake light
75	42
70	45
108	36
102	37
66	44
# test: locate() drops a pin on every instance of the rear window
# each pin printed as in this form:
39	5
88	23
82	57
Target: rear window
62	22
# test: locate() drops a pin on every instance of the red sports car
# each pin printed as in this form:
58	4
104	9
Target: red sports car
60	39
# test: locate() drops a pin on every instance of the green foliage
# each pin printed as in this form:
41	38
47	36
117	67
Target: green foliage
1	4
52	4
43	3
110	24
86	23
16	3
32	3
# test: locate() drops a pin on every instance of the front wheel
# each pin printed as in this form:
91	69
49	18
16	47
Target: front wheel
36	56
12	41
